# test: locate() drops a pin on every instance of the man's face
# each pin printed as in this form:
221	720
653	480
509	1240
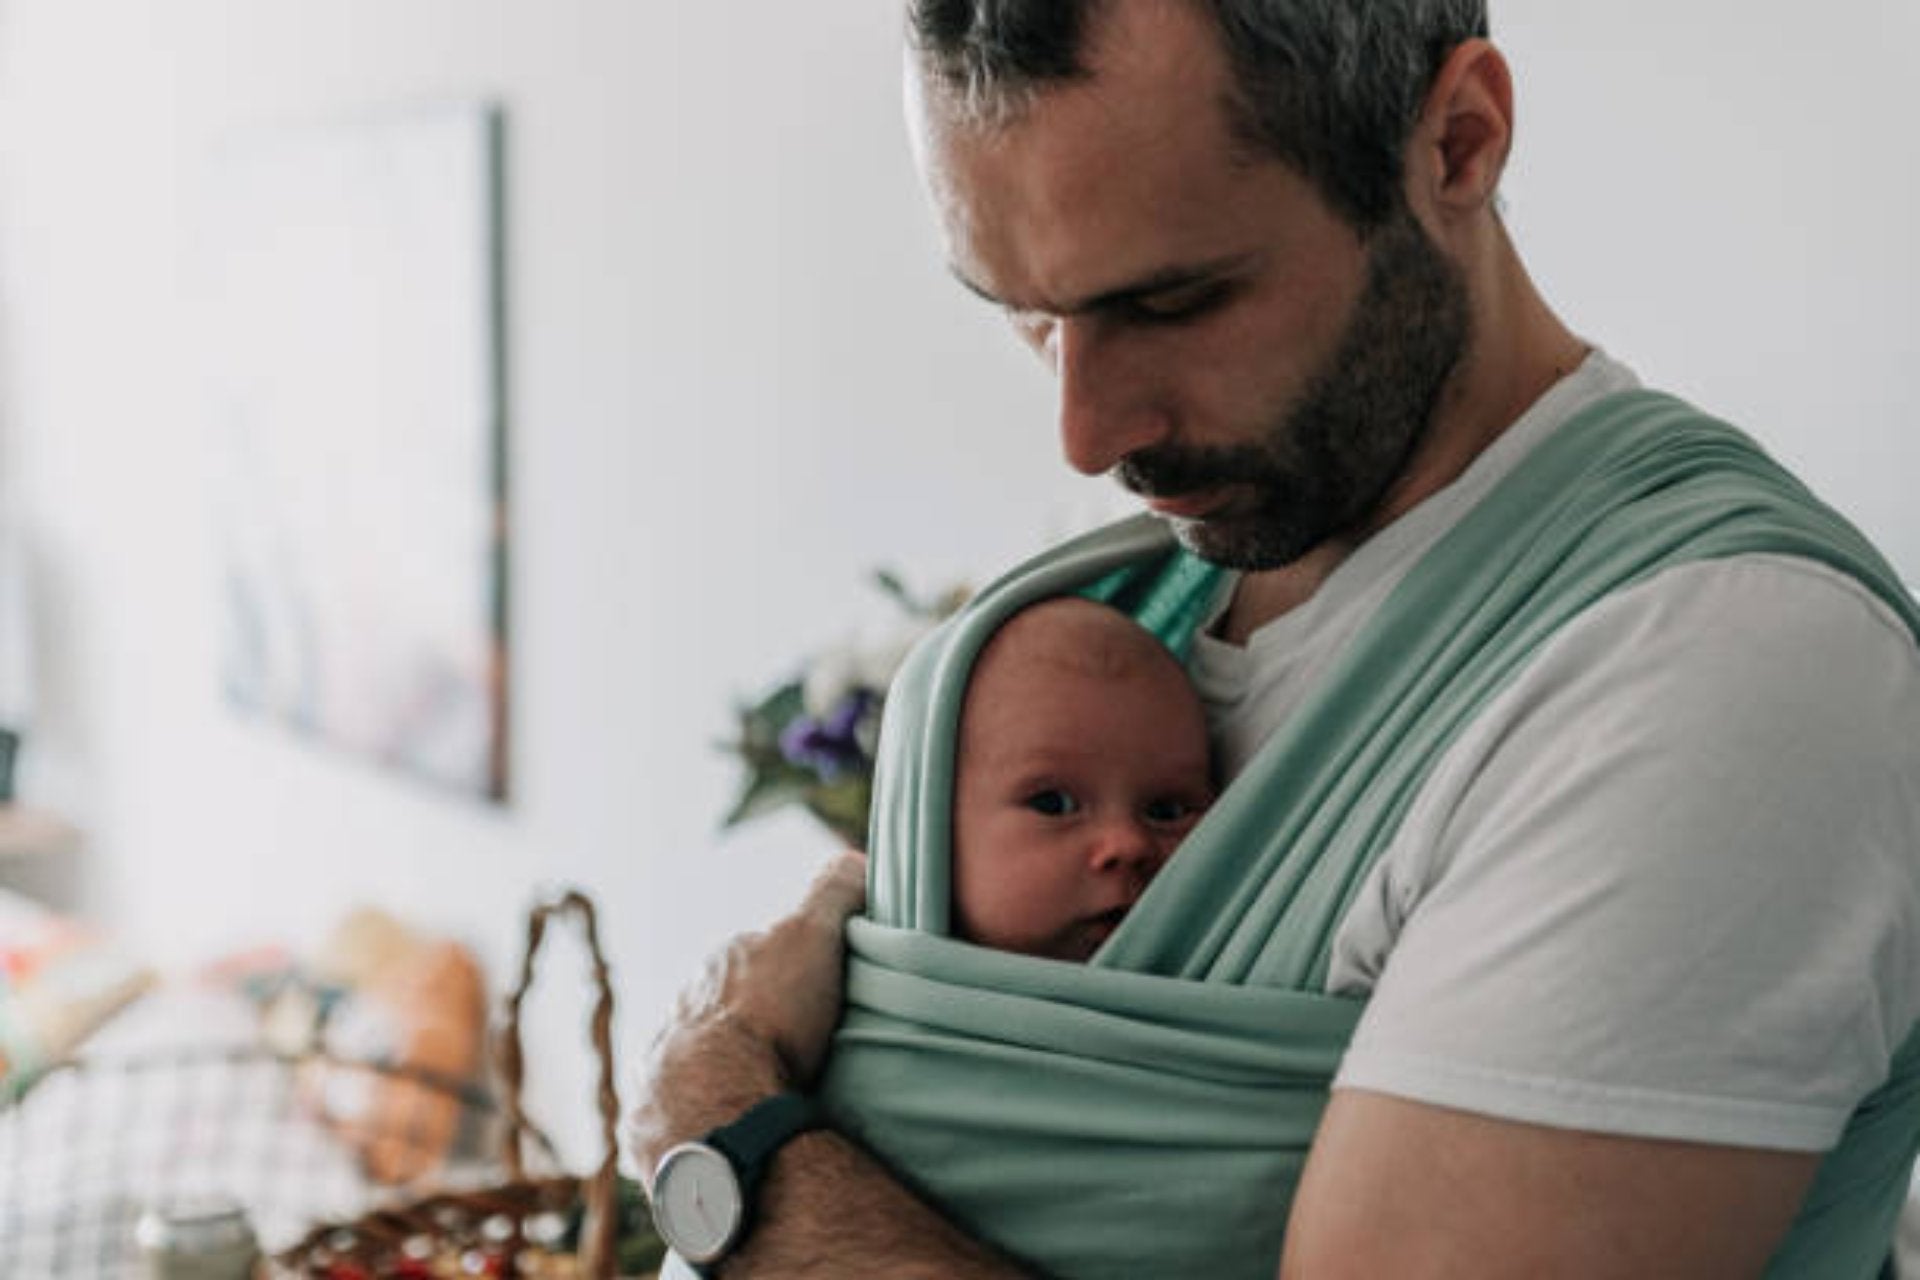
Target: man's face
1227	346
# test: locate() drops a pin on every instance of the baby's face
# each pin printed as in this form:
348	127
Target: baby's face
1074	786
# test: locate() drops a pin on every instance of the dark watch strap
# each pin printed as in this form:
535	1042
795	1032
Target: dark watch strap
750	1142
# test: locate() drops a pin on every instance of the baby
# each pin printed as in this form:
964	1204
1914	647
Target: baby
1083	762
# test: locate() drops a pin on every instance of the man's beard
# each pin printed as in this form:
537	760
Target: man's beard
1327	464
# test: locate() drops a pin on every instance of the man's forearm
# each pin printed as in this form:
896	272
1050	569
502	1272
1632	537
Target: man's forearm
827	1208
830	1212
759	1022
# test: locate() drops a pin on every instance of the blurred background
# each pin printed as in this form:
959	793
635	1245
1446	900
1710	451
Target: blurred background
736	377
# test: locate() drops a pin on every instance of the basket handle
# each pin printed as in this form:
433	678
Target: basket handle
597	1237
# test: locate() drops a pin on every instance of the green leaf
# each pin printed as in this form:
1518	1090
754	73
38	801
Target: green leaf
843	807
895	588
784	703
766	793
761	724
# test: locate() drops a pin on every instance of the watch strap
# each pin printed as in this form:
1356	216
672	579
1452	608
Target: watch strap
749	1143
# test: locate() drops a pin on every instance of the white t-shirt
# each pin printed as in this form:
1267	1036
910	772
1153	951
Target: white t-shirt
1668	882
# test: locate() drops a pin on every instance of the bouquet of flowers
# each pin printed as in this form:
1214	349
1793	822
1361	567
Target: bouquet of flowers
811	740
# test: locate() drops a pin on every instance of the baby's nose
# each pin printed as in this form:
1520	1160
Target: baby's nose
1126	842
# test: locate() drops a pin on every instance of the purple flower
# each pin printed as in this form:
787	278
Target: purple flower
828	744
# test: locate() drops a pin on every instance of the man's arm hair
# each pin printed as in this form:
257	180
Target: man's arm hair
833	1213
758	1023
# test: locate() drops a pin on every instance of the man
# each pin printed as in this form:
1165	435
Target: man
1614	1023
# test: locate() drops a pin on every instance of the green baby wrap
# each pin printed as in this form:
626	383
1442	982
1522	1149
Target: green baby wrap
1149	1113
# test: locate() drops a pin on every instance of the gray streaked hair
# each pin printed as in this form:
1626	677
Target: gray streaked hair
1332	87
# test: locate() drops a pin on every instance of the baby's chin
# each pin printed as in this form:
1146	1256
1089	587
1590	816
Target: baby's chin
1086	936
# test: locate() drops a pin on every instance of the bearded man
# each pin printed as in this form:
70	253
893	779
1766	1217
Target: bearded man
1633	959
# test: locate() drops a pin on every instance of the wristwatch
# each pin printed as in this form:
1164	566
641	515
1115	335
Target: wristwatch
703	1192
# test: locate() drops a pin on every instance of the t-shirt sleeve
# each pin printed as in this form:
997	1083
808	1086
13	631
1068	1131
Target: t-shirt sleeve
1667	884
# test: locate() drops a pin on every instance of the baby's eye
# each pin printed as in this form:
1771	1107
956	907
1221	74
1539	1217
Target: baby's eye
1169	810
1053	803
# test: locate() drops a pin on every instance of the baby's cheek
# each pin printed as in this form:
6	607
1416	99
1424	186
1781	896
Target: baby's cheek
979	889
1007	894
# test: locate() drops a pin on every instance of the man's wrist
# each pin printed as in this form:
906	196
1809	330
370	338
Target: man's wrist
703	1076
705	1193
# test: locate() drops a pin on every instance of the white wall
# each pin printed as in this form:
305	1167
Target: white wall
740	376
1726	193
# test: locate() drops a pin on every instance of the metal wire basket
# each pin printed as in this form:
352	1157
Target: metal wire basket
97	1141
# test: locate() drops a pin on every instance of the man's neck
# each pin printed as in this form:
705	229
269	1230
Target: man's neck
1521	349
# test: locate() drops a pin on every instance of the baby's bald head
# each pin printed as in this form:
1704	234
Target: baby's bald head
1071	634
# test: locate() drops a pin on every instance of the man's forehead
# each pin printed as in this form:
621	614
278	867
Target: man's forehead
1095	185
1056	210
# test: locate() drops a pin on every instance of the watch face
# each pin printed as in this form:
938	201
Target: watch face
696	1201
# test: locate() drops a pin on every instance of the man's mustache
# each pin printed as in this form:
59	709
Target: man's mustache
1165	471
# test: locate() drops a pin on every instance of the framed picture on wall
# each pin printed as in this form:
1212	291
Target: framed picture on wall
358	395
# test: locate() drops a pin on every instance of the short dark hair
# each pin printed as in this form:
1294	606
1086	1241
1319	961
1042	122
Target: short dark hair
1332	87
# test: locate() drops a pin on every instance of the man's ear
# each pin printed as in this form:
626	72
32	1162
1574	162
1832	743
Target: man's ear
1460	144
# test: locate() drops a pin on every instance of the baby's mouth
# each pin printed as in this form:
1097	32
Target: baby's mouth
1104	923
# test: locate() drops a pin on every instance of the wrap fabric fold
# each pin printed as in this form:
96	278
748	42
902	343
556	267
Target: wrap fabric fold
1150	1112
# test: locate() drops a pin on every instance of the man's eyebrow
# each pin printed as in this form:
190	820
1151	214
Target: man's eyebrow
1176	277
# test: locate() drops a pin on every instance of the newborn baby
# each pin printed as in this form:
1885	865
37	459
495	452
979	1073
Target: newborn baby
1083	762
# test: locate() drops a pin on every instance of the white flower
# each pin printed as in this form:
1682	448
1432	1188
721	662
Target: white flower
880	661
833	675
863	662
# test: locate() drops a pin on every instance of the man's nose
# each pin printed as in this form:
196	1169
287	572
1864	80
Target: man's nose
1105	413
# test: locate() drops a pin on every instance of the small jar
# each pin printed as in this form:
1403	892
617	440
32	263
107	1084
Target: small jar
197	1238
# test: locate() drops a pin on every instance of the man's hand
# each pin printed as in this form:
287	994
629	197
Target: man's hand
785	985
757	1021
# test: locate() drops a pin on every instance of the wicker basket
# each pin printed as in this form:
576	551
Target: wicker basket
531	1226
